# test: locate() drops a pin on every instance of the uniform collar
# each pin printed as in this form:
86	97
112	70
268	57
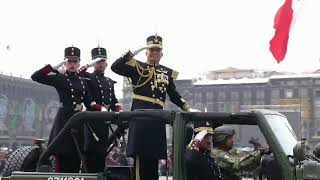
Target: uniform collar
152	64
96	73
70	73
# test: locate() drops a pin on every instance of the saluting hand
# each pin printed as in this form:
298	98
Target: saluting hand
95	61
60	64
135	52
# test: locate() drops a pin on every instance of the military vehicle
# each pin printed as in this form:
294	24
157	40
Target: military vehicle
290	160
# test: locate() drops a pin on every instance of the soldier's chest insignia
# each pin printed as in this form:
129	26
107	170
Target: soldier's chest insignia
162	78
161	71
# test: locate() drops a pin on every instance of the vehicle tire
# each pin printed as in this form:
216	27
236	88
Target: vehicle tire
23	159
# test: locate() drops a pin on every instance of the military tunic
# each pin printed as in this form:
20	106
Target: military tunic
151	83
73	92
200	165
102	90
231	163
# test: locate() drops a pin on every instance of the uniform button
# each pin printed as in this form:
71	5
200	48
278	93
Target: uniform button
83	87
81	82
161	98
163	85
74	103
101	91
83	92
102	97
109	84
81	97
165	89
151	82
70	84
68	80
72	90
110	99
110	89
161	91
98	81
72	96
100	86
153	95
96	76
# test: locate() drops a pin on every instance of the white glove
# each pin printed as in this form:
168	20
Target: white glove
59	65
95	61
193	110
201	135
104	109
138	50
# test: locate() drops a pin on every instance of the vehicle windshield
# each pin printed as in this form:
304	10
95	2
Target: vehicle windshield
284	132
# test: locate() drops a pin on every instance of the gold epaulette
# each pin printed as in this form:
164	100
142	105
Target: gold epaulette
132	62
174	74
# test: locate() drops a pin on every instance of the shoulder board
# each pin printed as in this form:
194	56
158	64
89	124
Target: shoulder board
132	62
174	74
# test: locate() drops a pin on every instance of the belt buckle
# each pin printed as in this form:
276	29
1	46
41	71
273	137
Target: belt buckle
78	107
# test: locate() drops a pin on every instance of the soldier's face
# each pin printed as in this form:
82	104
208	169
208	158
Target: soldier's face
72	65
154	55
101	65
206	142
229	142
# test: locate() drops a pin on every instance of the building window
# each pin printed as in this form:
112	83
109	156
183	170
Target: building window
221	96
221	107
304	82
260	94
304	93
317	81
317	93
247	102
234	107
209	107
234	96
291	83
247	94
260	102
289	93
198	97
275	93
209	96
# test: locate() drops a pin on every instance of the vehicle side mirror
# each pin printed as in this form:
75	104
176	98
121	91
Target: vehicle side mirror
300	151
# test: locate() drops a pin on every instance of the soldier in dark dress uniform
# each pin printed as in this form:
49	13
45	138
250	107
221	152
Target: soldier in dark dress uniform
73	93
151	83
199	164
102	90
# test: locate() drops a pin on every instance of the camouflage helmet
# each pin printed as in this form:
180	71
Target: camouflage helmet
220	133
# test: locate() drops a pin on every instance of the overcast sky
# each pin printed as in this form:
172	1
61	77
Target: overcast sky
197	35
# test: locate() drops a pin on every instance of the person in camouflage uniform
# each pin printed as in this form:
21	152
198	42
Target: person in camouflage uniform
230	160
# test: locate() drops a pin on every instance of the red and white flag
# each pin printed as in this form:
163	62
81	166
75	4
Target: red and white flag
282	24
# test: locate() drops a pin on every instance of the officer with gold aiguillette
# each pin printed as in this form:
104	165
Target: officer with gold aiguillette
151	83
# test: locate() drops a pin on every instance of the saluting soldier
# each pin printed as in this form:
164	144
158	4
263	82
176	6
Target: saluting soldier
102	90
73	93
200	165
151	83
